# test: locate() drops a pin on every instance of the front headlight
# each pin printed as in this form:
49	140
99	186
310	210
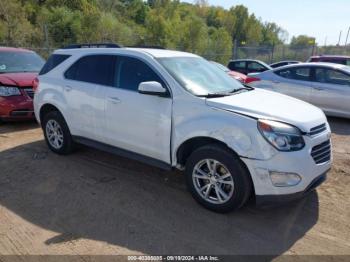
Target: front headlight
9	91
282	136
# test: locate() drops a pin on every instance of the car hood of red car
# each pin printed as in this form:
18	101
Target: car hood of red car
17	79
237	75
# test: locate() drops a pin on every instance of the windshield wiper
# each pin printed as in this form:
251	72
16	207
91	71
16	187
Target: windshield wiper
213	95
230	93
246	87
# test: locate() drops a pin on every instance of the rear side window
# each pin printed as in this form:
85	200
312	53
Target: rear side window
256	66
95	69
53	61
131	72
335	61
302	74
236	65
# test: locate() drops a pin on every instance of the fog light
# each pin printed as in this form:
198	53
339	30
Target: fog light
282	179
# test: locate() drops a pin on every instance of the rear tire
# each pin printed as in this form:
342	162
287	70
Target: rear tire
217	178
57	134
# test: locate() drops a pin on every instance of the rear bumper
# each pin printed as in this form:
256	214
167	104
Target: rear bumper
16	108
268	200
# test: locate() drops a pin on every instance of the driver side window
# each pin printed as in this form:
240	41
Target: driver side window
330	76
130	72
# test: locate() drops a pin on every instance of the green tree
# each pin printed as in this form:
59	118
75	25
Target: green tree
64	25
195	35
220	45
302	41
158	30
15	29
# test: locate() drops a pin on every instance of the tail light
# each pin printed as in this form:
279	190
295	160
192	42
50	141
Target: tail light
251	79
35	84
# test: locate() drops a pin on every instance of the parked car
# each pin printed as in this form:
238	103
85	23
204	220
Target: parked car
18	69
284	63
344	60
246	66
175	110
325	85
236	75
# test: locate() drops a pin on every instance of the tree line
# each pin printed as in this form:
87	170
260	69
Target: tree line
198	28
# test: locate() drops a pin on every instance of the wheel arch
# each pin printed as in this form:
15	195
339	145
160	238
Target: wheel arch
46	108
191	144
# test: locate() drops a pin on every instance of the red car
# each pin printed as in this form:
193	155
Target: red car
236	75
18	69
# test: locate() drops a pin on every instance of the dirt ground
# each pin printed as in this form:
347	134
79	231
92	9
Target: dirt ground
92	202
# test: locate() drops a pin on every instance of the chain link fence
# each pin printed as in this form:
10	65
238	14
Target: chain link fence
268	54
286	52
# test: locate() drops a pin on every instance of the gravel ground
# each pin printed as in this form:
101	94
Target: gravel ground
94	203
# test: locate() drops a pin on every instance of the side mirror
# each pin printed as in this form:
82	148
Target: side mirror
152	88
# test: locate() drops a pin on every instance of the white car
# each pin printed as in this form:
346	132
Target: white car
177	110
325	85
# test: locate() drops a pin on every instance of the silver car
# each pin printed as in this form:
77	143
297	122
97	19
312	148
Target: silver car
325	85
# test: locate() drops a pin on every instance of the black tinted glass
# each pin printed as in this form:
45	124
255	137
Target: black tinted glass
330	76
53	61
302	73
236	65
96	69
131	72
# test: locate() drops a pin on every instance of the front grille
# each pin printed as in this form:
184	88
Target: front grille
21	112
29	92
318	129
322	152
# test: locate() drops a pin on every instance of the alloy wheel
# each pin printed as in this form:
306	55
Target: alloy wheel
213	181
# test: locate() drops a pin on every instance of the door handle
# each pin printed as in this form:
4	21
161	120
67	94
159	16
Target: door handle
318	88
276	82
68	88
114	100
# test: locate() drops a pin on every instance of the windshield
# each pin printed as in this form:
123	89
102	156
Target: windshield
15	62
199	76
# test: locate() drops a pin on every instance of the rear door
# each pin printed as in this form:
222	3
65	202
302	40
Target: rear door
331	90
83	90
294	81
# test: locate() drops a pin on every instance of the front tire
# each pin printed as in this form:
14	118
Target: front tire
57	134
217	178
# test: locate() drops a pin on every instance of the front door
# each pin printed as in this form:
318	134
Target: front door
137	122
331	91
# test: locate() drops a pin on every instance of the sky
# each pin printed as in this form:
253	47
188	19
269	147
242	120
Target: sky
318	18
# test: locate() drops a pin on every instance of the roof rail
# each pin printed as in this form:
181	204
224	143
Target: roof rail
148	46
95	45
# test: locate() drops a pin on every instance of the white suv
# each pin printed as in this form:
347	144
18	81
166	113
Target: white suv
177	110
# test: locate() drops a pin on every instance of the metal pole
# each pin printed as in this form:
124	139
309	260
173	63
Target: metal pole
347	37
325	41
47	44
235	47
272	52
339	37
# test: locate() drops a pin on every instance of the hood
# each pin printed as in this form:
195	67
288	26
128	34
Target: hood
237	74
273	106
18	79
